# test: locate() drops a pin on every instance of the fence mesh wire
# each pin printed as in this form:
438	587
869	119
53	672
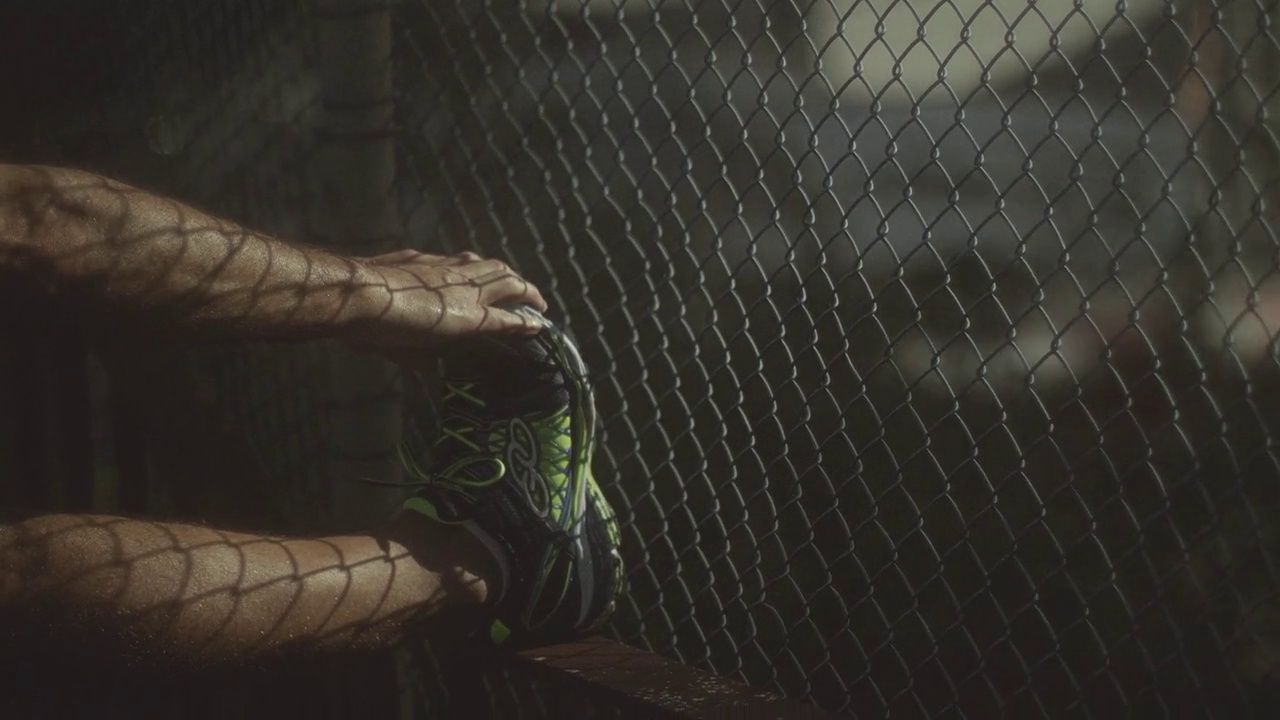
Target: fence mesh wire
934	341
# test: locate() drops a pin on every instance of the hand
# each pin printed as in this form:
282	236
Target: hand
413	300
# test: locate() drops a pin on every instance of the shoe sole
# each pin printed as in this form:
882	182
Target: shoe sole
583	401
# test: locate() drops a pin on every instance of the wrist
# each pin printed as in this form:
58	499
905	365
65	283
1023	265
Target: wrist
369	303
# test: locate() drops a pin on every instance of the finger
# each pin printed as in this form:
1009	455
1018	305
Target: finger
449	260
467	256
485	272
538	301
504	321
525	293
402	256
485	268
511	290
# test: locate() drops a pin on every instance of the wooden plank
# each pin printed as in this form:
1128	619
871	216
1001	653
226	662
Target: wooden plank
636	683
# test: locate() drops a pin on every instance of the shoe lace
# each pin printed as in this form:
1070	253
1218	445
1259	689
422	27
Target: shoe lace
458	429
464	426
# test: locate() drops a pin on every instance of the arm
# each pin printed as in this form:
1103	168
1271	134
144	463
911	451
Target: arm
135	589
118	246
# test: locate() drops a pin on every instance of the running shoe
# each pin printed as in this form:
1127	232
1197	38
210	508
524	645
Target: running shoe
512	465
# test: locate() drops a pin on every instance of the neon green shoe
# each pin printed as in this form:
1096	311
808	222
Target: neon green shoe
513	466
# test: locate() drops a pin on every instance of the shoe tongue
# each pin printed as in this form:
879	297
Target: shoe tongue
512	376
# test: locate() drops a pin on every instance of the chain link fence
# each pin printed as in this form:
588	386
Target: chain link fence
934	341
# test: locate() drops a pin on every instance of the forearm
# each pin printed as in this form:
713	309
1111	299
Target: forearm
81	234
184	591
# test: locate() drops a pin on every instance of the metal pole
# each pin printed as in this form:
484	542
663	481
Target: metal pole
354	212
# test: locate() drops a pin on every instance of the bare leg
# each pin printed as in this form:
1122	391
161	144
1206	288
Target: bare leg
178	591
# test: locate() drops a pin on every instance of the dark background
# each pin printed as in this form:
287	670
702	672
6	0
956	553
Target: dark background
963	404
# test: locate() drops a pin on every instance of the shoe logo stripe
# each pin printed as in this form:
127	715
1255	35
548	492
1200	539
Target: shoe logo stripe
523	456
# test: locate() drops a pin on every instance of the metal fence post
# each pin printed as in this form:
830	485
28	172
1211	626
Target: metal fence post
354	211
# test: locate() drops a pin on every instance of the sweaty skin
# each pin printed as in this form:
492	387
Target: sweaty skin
82	234
140	589
136	589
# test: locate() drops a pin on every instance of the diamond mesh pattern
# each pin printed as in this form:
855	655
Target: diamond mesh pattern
934	340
